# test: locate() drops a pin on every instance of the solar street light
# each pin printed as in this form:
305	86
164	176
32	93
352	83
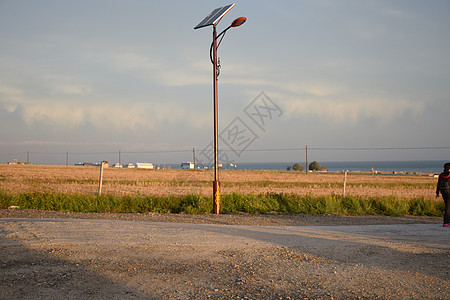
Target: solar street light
212	20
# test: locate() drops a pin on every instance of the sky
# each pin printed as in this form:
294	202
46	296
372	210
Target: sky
352	79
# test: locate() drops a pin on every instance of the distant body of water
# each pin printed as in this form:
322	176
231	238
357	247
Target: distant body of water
419	166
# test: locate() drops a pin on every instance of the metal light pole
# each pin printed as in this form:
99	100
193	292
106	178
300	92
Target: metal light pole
213	19
216	183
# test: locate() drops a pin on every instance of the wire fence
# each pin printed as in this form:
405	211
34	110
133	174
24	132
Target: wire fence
202	157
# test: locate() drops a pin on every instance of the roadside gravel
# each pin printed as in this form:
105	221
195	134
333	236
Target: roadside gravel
227	219
160	256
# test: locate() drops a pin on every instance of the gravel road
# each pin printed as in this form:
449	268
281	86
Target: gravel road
151	256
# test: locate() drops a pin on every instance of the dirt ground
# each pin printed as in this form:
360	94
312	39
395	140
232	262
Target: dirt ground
161	256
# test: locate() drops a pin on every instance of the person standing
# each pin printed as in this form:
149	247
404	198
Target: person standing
443	187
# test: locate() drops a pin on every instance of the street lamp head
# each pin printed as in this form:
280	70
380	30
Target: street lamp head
238	22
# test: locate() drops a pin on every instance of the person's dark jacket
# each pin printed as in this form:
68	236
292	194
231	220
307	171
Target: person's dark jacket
443	178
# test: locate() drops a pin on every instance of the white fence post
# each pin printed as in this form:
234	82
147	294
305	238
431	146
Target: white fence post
345	183
101	179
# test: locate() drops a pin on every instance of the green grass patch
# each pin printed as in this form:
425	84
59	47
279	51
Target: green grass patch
230	203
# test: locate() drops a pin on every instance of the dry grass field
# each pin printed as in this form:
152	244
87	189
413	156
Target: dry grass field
165	182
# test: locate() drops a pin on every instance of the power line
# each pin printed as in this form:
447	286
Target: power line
381	148
339	149
157	151
13	154
238	150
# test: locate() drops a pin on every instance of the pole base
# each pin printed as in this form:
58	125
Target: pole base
216	197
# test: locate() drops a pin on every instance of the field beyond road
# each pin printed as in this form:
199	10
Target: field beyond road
165	182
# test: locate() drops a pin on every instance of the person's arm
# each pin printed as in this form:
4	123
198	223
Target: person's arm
438	184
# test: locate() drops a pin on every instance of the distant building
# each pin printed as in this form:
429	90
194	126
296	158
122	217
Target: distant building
144	165
117	165
187	165
86	164
130	166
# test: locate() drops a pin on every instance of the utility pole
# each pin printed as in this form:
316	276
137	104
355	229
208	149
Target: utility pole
193	156
119	158
67	159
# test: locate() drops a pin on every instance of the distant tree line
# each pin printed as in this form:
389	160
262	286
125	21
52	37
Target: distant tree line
295	167
314	166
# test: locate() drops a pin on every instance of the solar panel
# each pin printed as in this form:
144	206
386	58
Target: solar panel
214	17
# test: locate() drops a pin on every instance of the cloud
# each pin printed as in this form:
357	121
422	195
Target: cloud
169	73
35	142
10	97
120	117
72	100
336	102
147	116
128	59
393	13
352	110
69	89
53	113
